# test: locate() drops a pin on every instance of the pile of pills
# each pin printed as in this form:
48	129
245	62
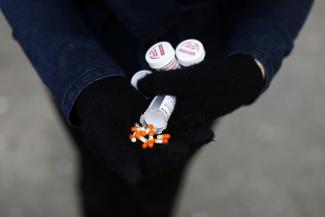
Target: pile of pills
146	135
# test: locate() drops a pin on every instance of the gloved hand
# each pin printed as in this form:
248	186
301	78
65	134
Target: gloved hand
189	134
108	108
211	89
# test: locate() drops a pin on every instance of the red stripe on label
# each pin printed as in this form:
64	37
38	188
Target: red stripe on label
161	49
153	54
187	52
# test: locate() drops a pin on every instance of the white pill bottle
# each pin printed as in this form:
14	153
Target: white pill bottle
190	52
162	57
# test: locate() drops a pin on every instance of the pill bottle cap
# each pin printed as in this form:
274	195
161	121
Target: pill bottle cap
190	52
160	54
138	76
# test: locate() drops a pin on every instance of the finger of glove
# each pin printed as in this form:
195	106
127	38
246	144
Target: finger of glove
176	82
163	158
114	150
187	122
168	157
196	137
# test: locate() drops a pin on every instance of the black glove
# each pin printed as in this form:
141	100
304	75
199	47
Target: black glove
189	134
211	89
108	108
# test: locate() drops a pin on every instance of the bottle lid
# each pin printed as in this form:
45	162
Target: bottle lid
190	52
160	54
138	76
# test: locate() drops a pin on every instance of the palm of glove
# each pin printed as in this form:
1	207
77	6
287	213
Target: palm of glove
189	134
108	108
210	89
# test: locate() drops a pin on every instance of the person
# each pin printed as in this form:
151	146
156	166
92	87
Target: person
86	52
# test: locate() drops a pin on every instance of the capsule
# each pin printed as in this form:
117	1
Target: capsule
141	129
152	133
140	134
132	138
151	127
135	127
161	141
151	143
152	130
147	130
163	136
144	145
141	137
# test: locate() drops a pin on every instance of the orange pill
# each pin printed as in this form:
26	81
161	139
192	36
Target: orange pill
134	129
161	141
151	143
151	127
140	134
152	133
163	136
141	138
132	138
144	145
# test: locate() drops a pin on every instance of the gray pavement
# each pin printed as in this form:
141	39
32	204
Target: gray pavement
267	160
